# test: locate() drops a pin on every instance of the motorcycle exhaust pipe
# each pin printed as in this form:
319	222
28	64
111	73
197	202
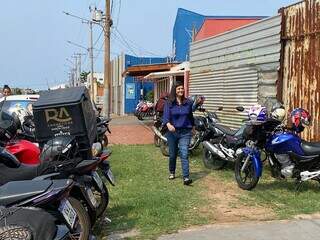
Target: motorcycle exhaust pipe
158	133
213	149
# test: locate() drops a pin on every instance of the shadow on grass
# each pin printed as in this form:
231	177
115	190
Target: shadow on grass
121	221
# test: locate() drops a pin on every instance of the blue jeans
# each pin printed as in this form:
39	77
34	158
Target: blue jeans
179	141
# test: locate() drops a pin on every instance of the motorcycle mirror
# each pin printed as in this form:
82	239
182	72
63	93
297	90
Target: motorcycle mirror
240	108
220	108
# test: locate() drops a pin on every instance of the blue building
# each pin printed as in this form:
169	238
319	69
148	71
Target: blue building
188	24
185	24
134	88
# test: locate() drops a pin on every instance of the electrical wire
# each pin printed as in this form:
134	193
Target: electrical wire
140	49
98	38
125	44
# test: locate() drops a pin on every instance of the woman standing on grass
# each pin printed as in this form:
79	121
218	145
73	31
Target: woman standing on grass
178	118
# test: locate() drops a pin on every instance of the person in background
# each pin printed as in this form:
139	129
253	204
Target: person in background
178	118
6	91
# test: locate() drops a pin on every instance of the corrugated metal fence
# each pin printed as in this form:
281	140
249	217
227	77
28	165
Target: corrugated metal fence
301	61
228	68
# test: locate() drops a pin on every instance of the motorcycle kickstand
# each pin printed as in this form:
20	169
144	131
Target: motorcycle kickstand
298	185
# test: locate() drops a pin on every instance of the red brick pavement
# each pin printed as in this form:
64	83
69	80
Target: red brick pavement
129	130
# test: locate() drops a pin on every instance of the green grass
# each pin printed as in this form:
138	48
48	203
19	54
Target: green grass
145	200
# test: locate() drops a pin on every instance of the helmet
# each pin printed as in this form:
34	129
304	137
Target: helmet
257	114
8	127
60	148
278	112
300	118
198	101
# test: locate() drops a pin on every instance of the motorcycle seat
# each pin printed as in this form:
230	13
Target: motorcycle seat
23	172
226	130
17	191
310	148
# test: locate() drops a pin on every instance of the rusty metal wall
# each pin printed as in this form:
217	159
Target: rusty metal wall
301	61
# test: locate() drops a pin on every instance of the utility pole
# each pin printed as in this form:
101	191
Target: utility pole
78	57
107	67
91	62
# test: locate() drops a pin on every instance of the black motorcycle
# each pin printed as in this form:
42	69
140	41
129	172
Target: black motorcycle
223	145
54	197
88	185
26	223
202	132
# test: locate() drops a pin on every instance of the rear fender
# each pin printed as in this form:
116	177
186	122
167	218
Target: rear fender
79	191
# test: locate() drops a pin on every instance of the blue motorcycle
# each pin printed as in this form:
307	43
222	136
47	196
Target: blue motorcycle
288	155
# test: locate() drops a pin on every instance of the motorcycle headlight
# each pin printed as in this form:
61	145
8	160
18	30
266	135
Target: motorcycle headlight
96	149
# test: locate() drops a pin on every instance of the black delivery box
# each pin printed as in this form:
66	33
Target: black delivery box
66	111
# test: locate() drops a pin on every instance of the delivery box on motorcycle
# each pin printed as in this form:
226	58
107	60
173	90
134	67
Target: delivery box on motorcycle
65	112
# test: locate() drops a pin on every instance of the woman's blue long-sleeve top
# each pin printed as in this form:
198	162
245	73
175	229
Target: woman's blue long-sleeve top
180	116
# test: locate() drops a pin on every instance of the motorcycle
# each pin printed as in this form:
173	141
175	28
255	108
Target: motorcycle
53	197
200	135
26	223
102	128
222	147
88	184
288	155
144	109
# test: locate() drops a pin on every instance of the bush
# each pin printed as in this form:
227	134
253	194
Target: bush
149	96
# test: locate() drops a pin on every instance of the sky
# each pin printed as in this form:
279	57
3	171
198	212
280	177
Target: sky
34	34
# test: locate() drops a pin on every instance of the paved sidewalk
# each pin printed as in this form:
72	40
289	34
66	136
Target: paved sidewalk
129	130
307	229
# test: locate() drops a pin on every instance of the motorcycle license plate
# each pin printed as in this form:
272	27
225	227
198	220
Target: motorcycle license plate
92	198
98	180
68	212
111	177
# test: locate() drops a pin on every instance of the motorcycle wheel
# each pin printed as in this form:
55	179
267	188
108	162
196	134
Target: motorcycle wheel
247	178
106	141
140	116
83	226
212	161
164	148
15	233
103	200
156	140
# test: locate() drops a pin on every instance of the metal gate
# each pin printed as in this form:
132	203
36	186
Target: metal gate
301	61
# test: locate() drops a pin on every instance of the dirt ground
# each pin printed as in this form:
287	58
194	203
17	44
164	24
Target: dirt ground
225	205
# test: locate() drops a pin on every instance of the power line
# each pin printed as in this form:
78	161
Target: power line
98	38
118	13
111	7
125	44
140	49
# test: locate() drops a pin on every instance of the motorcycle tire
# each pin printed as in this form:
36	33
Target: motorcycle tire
211	161
104	199
247	174
164	148
82	232
106	141
140	116
14	232
156	140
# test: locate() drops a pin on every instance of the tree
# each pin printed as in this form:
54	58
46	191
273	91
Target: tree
83	76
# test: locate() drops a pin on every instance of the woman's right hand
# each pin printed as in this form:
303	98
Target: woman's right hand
170	127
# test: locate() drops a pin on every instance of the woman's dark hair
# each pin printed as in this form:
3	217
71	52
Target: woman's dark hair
6	87
173	95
